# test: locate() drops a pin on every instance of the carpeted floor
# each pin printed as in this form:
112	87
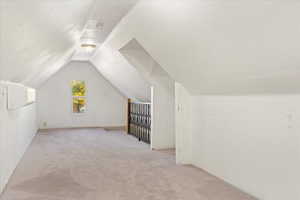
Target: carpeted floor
94	164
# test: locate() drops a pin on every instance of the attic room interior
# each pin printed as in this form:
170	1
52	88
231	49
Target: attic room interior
149	100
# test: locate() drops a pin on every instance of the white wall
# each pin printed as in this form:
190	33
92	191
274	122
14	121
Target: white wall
163	94
106	107
163	119
253	142
183	125
223	48
17	129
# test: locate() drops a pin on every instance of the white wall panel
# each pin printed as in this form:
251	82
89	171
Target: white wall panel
183	125
18	95
253	142
17	129
105	105
163	94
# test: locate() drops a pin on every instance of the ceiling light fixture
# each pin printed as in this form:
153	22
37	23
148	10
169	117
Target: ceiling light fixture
88	46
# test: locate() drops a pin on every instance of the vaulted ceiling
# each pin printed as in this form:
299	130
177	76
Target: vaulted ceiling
219	47
210	47
39	36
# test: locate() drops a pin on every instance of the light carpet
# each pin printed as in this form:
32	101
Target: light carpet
94	164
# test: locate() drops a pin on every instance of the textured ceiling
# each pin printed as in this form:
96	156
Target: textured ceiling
210	47
39	36
234	47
